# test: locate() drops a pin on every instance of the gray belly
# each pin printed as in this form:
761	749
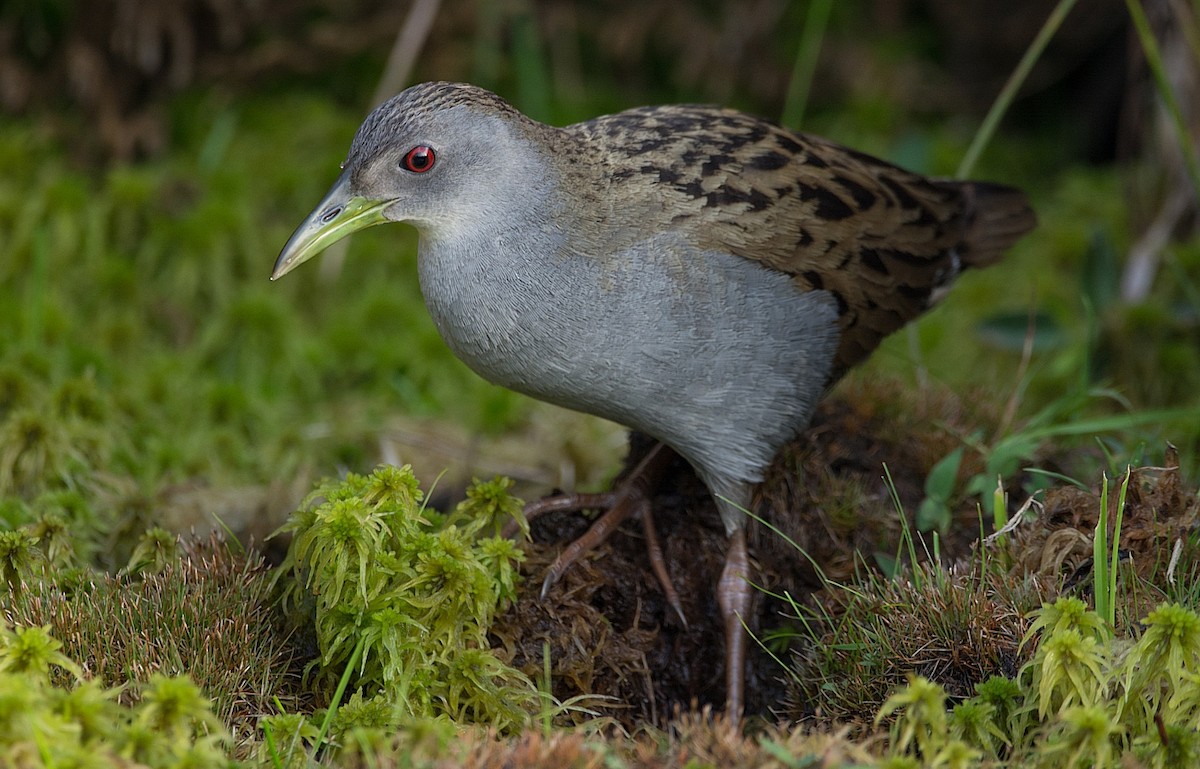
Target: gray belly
718	357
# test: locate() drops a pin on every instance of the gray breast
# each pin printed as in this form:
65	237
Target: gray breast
713	354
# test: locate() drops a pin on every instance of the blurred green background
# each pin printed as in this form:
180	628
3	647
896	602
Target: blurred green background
156	156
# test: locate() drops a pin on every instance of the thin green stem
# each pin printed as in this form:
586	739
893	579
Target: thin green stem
1116	550
805	66
999	506
338	693
1009	91
1100	580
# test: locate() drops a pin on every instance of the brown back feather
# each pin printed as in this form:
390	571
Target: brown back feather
880	239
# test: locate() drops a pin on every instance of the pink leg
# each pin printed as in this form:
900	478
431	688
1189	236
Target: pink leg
733	596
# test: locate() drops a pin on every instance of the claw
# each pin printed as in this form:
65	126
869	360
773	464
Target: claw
551	577
659	564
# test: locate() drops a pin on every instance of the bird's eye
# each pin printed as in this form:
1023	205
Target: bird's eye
418	160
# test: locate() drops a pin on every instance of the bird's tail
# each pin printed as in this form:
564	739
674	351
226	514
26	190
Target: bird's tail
996	217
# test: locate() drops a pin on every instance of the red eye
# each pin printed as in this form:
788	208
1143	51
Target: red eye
418	160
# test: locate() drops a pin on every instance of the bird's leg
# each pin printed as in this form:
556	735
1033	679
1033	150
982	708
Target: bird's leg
631	497
733	596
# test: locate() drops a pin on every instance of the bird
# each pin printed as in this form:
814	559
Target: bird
695	273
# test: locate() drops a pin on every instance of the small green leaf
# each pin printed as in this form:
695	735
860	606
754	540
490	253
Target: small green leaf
933	515
940	482
887	564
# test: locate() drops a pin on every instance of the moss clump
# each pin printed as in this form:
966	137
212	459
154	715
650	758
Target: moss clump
1085	699
409	594
196	608
82	723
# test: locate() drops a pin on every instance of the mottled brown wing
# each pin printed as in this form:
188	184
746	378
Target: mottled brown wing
882	240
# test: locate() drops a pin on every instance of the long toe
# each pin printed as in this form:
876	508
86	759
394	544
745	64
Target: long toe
561	503
659	564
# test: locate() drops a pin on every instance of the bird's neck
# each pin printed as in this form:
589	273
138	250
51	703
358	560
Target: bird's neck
483	284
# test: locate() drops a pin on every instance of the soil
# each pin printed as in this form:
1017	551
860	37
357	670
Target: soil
608	630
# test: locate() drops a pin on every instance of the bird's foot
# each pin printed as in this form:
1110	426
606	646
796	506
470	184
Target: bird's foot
632	497
734	596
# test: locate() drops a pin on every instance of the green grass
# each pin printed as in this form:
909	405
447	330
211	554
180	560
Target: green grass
160	352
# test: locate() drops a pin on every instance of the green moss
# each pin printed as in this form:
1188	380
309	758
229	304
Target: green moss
415	598
195	608
80	723
19	559
31	650
1085	699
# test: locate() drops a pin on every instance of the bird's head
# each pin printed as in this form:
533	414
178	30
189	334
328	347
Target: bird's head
438	155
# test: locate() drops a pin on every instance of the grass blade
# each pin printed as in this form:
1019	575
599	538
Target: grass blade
1116	548
805	66
1009	91
1163	84
1100	579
